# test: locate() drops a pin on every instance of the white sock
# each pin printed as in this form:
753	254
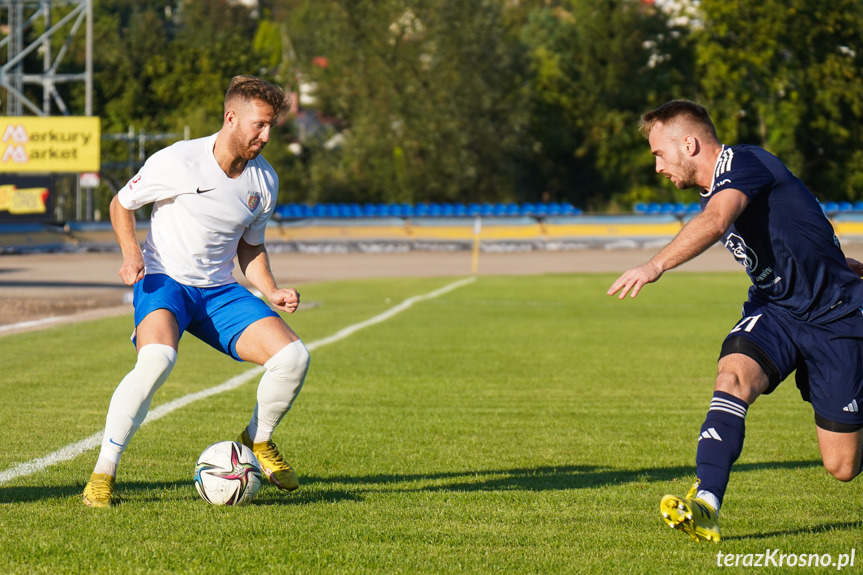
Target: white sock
708	498
278	389
131	402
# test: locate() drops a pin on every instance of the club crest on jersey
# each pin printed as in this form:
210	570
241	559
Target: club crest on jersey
741	251
253	200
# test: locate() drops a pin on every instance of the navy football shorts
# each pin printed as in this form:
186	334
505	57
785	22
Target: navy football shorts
828	359
215	315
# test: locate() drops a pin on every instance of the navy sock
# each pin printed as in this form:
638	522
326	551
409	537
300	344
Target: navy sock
720	442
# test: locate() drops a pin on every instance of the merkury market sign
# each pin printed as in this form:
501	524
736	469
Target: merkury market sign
50	144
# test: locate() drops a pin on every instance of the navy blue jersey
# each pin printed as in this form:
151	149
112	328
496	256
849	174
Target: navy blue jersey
784	239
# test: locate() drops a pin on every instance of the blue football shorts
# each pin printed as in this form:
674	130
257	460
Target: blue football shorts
828	359
215	315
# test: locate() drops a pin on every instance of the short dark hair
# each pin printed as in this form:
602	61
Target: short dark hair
678	109
250	88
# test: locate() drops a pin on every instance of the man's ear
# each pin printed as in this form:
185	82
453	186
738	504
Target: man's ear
230	118
690	145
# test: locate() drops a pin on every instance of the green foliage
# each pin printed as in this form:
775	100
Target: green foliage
785	75
483	100
432	98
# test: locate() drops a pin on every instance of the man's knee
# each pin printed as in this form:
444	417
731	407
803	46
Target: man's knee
843	469
742	377
291	362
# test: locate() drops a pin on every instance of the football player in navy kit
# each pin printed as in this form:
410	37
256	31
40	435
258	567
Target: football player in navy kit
803	310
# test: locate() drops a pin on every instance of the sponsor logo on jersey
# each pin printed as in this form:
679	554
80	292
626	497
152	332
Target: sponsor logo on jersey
741	251
253	200
851	407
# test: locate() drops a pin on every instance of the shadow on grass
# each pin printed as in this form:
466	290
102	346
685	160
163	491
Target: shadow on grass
325	490
144	491
813	530
541	478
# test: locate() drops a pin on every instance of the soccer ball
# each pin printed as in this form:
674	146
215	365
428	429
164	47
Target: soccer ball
228	473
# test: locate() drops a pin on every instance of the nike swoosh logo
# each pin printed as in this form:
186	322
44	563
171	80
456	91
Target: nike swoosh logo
111	440
200	191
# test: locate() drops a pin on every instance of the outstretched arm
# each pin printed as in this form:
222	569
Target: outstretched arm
255	265
697	235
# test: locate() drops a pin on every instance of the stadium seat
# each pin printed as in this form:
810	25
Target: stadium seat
640	208
567	209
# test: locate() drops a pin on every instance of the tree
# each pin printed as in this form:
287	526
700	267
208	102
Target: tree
595	68
432	96
785	76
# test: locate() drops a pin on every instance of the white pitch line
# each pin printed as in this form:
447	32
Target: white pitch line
75	449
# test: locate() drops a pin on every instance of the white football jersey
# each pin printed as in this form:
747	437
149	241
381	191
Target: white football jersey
199	213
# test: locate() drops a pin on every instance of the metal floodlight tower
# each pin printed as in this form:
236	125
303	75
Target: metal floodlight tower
21	16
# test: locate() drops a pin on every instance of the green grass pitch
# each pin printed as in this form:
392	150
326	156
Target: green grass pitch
515	424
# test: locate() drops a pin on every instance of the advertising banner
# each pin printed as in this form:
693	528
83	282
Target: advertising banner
25	199
50	144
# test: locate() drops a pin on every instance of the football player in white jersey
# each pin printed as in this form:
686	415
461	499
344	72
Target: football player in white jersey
211	200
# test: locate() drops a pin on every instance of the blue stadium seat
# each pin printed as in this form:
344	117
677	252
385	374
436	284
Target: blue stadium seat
567	209
434	210
640	208
512	209
830	207
528	209
858	206
845	206
459	210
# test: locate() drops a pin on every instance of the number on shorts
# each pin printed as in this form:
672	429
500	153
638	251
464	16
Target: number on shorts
747	323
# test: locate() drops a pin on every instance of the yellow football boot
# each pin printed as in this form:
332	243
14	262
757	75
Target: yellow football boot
99	490
693	516
274	466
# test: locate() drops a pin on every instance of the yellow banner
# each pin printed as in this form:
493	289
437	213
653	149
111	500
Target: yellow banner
23	201
50	144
